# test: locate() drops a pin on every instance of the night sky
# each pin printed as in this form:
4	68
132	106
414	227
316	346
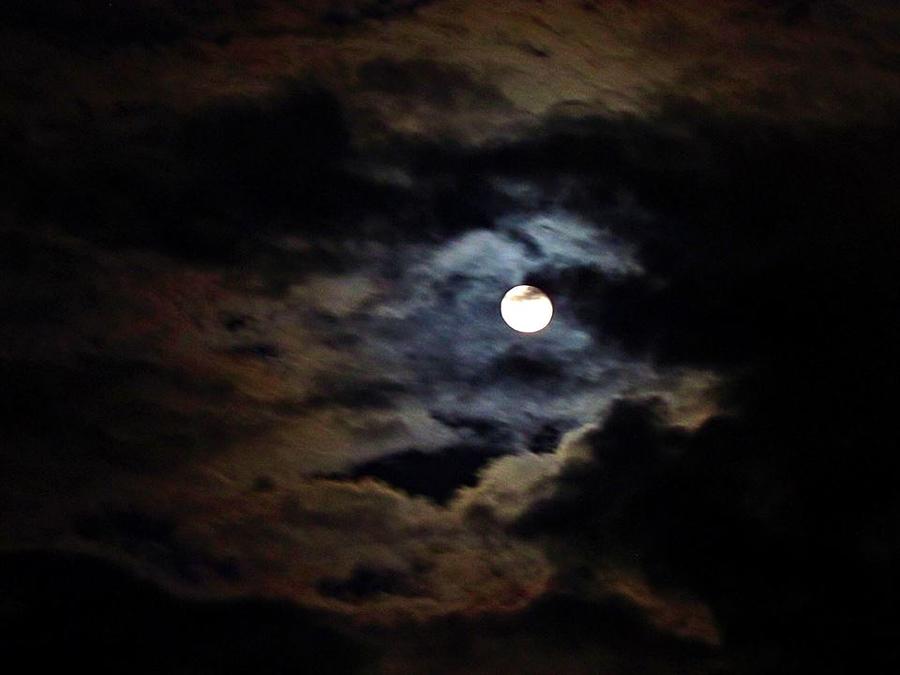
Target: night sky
259	412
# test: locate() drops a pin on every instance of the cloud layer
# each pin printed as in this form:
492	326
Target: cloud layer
251	348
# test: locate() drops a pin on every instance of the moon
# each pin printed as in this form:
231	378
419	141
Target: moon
526	309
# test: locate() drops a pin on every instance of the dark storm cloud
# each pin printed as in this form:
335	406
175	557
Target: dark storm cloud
69	611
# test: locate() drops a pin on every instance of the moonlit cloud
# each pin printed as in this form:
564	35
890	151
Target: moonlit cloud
252	367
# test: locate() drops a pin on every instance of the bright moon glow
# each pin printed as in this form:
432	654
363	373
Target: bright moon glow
526	309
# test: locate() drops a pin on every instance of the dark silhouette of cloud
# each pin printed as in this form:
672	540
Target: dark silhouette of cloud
104	26
366	582
741	513
547	437
351	12
436	475
219	185
561	631
747	267
488	431
203	187
155	539
373	394
767	260
70	611
66	408
532	369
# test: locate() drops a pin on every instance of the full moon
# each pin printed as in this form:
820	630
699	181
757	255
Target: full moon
526	309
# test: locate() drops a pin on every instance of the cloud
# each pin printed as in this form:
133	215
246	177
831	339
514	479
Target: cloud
749	268
745	266
436	474
558	632
506	487
373	394
731	512
364	549
516	365
63	610
256	384
97	25
365	582
154	541
70	608
428	82
225	288
547	438
351	12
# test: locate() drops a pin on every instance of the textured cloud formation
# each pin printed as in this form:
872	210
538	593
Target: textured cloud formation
252	255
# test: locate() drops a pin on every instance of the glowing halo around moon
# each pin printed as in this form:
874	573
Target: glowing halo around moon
526	309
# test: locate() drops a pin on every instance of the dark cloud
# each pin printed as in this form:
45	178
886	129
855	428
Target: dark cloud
748	248
533	50
547	437
264	484
83	398
352	12
515	364
746	265
236	322
259	350
228	298
126	413
765	255
219	185
428	82
559	632
735	512
487	430
45	284
155	540
208	186
99	24
71	611
251	157
436	475
372	394
366	582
